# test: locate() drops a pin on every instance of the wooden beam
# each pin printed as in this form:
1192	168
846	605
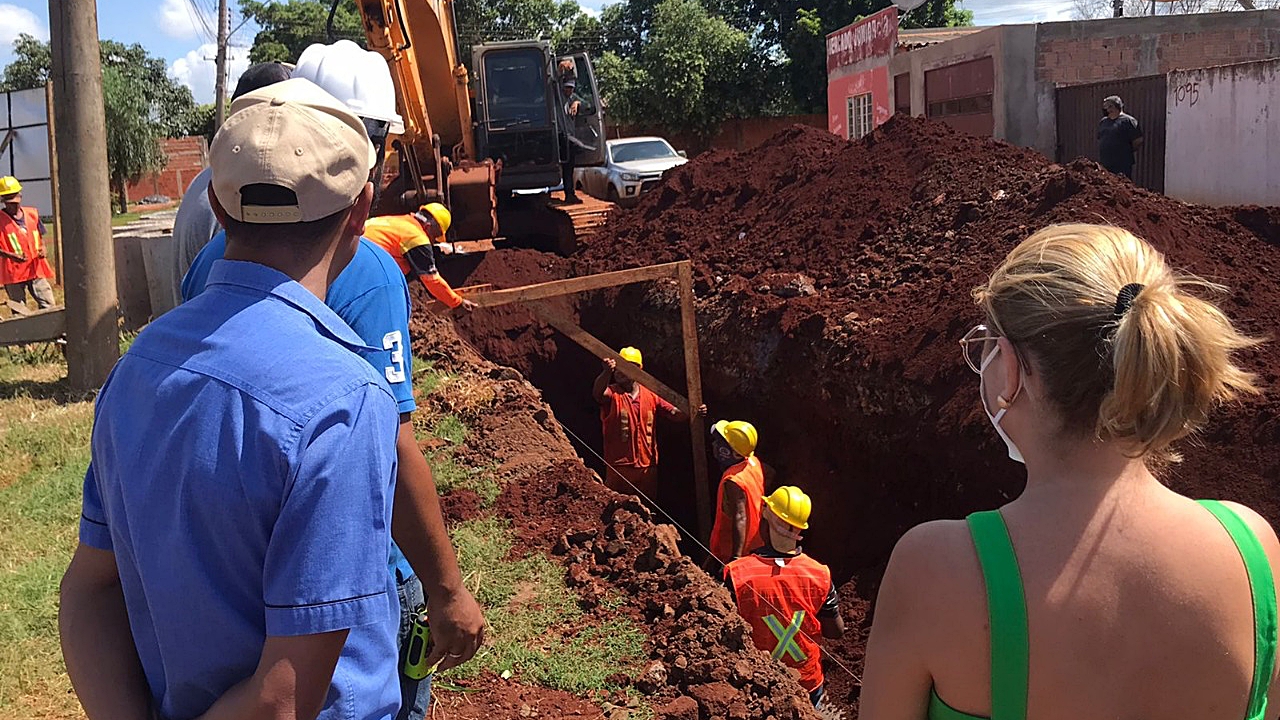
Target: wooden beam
8	138
574	332
557	288
693	378
39	326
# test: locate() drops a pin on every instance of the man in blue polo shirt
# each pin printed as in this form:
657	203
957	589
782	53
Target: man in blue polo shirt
235	529
372	297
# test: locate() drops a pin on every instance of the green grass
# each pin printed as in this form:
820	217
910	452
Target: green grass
450	428
538	632
44	449
124	218
450	476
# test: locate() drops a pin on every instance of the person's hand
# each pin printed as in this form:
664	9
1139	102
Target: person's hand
42	255
700	411
573	107
457	629
610	364
468	305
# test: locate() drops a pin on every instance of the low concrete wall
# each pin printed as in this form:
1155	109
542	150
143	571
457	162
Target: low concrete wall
1222	141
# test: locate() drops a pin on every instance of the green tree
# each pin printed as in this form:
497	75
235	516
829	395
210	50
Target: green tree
285	29
30	66
806	48
692	71
141	102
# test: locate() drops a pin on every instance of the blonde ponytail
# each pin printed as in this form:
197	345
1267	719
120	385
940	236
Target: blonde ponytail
1125	348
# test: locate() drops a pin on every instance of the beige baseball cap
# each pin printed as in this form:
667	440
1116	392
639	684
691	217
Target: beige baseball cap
294	136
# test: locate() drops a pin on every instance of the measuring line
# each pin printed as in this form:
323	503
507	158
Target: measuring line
678	526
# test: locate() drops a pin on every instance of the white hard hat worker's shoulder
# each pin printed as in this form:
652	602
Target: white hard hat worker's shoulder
358	77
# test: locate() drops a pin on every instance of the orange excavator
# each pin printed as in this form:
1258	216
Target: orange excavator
487	142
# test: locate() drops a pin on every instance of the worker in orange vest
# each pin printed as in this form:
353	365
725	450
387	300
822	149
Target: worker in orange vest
787	597
741	495
627	413
23	265
408	239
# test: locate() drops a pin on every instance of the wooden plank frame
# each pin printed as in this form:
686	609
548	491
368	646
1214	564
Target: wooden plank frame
682	273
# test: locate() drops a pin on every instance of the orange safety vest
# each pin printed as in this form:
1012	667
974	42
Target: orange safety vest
628	427
398	234
780	599
395	234
25	242
748	475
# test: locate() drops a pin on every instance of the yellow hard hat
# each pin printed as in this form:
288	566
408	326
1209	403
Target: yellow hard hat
440	213
9	185
740	434
632	355
791	505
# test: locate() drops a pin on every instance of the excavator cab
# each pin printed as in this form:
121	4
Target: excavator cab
531	113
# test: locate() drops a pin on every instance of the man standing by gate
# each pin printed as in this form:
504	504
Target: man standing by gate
24	267
1119	137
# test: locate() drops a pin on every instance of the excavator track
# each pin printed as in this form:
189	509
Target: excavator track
587	216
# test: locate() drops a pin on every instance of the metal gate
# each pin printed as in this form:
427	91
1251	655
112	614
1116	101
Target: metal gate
961	96
1080	109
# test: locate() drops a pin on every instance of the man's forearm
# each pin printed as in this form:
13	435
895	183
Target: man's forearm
601	384
98	649
417	523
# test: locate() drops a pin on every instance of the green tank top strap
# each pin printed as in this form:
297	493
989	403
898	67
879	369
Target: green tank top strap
1007	610
1262	586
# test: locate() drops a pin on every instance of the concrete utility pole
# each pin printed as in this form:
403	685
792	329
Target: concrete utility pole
93	339
220	87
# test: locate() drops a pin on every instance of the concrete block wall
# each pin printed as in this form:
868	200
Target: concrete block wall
1082	52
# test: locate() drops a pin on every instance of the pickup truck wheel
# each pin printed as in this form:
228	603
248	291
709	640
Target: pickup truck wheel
613	194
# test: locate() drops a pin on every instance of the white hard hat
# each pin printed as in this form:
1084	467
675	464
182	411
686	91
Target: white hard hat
360	78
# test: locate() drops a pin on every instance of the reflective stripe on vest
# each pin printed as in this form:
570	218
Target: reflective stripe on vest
786	636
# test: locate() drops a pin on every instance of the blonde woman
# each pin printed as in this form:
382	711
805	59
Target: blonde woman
1099	592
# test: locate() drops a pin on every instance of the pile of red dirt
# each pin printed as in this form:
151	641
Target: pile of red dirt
833	282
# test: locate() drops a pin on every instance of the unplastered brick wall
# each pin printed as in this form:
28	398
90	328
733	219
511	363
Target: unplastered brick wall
186	158
1087	56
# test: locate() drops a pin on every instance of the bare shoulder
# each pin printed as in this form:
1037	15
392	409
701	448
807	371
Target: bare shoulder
1259	525
932	552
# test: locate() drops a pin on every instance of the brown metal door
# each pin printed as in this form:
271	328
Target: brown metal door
961	96
1080	109
902	93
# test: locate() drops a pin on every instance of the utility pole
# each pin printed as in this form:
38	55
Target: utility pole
93	341
220	86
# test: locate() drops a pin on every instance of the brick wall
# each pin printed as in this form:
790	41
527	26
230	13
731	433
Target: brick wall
187	157
1126	51
734	134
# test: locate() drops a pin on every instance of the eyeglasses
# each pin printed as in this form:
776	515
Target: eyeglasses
976	345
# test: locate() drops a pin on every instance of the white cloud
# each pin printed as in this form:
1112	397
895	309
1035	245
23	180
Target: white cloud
997	12
183	19
15	21
197	71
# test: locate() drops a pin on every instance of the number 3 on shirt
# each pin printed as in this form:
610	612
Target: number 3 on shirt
395	371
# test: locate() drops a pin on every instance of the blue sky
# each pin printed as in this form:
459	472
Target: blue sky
172	29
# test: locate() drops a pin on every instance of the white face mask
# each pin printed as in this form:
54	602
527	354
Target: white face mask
1014	453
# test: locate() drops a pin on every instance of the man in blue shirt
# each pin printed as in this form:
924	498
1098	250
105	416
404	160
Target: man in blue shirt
236	516
372	297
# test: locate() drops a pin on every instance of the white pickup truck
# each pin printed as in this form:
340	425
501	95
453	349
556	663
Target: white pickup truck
633	166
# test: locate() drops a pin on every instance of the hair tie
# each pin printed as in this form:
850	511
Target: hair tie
1125	298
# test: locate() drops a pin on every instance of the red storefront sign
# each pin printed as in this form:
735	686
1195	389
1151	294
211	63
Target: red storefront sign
872	36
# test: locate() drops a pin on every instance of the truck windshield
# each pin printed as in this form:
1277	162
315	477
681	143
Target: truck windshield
642	150
515	89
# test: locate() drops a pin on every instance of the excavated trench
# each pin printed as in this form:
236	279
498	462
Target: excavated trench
832	283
